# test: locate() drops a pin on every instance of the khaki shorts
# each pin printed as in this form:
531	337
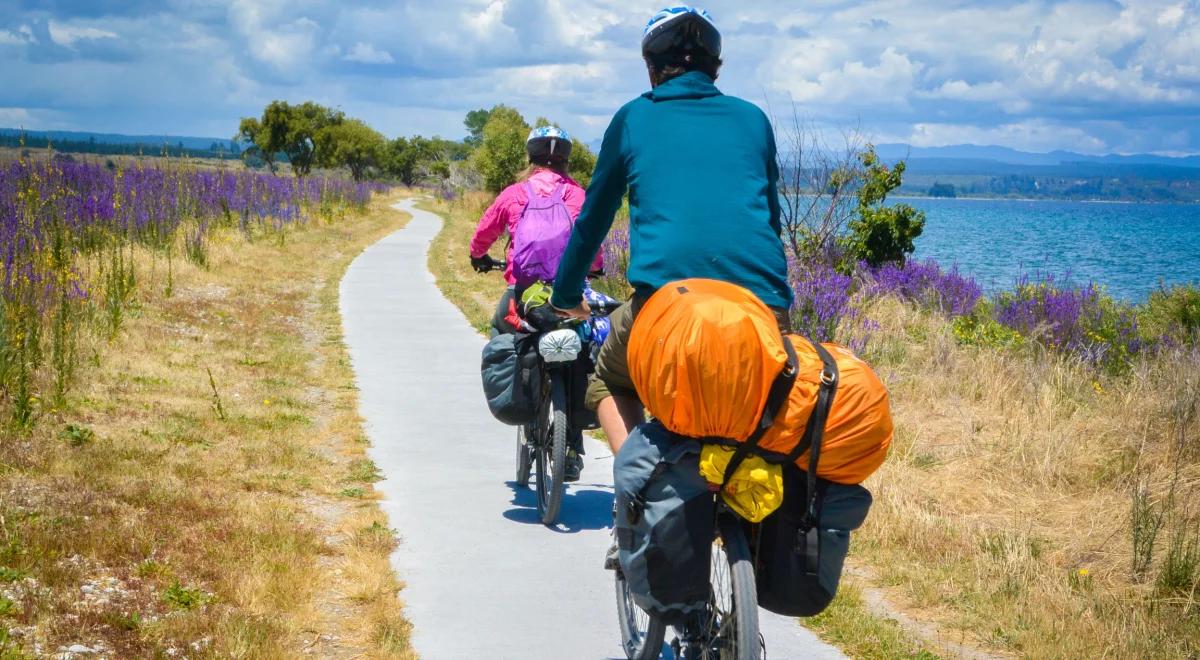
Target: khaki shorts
611	377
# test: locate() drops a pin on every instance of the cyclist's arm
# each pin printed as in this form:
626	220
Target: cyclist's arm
603	200
490	227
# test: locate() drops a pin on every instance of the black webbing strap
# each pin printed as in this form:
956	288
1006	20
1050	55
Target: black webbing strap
781	387
809	533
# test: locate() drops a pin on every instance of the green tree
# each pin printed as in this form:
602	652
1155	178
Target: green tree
581	163
352	144
501	156
306	124
475	121
293	130
400	160
266	140
878	233
940	189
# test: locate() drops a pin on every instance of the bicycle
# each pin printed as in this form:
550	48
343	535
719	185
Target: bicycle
727	629
542	445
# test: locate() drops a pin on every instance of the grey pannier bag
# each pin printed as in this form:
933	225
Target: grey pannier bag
665	522
798	564
512	377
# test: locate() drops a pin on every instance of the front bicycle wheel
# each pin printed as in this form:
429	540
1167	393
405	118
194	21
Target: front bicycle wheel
552	453
641	634
524	456
731	629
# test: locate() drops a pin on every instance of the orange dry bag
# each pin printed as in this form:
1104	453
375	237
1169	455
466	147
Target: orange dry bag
703	356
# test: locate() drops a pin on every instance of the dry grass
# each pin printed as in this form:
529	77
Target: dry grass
1005	511
163	513
471	292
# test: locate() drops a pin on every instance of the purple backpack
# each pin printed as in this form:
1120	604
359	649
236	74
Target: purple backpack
541	237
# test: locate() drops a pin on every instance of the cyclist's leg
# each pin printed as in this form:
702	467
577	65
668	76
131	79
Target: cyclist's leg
611	392
618	416
499	325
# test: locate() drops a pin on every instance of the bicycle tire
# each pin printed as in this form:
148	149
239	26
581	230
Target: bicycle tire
524	457
552	454
735	635
642	640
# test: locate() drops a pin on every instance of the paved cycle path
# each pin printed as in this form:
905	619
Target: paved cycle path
484	579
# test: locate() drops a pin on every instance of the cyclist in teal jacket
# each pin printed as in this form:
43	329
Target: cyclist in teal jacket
700	169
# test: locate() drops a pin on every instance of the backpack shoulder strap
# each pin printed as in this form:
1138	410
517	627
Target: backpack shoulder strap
781	387
530	195
557	196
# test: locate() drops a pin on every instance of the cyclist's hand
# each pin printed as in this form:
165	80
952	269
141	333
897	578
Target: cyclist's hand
581	312
483	264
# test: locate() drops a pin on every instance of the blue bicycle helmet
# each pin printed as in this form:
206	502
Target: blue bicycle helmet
548	144
680	30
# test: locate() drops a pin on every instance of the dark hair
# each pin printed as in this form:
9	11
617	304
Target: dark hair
673	65
559	167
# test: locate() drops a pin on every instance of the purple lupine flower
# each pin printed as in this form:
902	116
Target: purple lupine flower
925	284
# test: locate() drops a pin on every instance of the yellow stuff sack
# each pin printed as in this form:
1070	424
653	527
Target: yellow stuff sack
756	488
703	355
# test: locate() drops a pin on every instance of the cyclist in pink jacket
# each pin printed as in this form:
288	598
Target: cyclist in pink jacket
548	148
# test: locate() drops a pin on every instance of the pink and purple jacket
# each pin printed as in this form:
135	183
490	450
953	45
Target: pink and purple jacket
505	212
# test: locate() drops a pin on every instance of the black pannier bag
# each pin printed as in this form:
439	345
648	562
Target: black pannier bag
512	377
797	565
665	522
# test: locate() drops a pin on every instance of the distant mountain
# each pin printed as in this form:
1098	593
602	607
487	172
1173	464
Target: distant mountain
196	143
973	152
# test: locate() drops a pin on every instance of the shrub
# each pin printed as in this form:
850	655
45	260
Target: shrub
821	299
1172	314
980	329
881	234
927	285
616	263
1079	321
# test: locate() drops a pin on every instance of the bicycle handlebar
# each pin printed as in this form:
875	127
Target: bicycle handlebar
605	307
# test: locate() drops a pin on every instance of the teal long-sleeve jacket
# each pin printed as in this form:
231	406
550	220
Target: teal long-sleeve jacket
703	200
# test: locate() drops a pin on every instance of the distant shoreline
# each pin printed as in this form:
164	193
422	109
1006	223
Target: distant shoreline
973	198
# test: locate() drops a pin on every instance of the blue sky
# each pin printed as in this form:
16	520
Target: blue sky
1093	76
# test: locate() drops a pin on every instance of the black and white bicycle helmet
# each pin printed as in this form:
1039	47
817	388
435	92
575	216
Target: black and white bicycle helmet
678	31
547	144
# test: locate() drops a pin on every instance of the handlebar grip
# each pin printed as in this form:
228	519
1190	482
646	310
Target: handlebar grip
605	307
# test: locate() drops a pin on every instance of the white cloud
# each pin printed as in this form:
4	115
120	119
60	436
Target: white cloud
1085	74
367	54
1031	135
8	38
15	117
66	35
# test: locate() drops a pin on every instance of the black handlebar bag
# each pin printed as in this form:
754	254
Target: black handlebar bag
799	564
665	522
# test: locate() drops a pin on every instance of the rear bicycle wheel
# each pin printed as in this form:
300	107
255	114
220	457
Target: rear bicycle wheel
641	634
731	629
552	453
524	456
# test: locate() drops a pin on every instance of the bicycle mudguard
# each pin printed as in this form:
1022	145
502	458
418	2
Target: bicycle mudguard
665	522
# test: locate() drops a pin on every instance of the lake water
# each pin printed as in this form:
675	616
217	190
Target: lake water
1127	248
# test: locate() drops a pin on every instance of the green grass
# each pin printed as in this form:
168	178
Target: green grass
851	625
